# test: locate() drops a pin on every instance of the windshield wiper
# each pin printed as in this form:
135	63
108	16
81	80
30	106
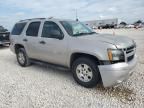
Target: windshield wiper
92	33
79	34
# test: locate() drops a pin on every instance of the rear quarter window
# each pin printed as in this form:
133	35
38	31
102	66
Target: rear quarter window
18	28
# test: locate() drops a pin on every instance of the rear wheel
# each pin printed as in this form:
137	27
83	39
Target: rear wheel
22	57
86	72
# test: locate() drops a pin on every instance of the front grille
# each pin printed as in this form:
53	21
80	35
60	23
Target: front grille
130	52
130	48
130	58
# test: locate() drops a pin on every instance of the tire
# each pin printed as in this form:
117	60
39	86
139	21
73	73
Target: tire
1	45
22	57
85	72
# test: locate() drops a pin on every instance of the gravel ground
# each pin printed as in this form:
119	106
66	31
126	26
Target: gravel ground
46	86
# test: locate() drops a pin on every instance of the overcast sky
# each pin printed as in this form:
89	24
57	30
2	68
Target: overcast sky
15	10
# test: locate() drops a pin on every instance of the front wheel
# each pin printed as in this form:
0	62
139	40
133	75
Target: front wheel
22	57
86	72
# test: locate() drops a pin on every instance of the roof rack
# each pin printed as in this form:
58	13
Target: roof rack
31	19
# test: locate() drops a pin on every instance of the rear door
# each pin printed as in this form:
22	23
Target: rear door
31	39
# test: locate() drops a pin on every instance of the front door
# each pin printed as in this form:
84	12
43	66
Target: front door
52	44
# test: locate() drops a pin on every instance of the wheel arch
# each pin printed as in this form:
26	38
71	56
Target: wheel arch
17	46
76	55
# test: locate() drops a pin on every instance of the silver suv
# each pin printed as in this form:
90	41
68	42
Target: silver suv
90	56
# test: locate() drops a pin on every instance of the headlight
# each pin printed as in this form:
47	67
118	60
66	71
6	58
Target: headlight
115	55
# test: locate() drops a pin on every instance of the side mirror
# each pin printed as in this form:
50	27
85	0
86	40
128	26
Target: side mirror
56	34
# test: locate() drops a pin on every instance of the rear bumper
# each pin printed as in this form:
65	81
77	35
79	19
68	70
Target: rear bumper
4	42
116	73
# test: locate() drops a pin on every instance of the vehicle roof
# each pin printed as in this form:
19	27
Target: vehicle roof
40	19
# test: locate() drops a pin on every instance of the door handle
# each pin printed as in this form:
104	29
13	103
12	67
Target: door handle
25	40
42	42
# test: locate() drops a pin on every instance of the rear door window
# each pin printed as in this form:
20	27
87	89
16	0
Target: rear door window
33	29
18	28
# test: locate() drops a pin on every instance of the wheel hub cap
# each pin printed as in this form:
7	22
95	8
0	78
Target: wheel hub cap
84	72
21	58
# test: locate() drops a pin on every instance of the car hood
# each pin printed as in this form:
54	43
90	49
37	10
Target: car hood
118	41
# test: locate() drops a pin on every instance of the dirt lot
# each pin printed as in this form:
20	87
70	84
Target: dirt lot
48	86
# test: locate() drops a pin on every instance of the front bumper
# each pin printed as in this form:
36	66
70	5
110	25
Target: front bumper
116	73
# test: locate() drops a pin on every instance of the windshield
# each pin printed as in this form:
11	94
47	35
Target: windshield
75	28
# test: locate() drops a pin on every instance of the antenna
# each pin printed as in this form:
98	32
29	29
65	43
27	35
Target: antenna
76	16
76	13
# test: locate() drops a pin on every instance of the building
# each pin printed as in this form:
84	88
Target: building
105	23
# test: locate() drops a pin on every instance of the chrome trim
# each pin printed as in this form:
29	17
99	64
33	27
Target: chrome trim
131	49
